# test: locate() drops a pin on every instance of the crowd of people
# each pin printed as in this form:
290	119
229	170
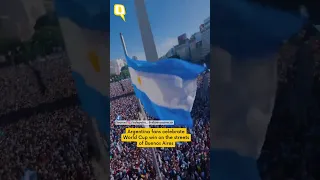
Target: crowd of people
186	161
52	143
291	149
20	88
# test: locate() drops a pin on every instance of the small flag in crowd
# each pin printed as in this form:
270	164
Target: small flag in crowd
166	88
118	117
29	175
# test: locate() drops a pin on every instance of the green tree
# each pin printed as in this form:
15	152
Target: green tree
8	44
125	74
47	38
124	68
47	34
49	19
27	52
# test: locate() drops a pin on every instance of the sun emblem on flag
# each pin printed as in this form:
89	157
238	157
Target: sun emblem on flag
94	59
139	80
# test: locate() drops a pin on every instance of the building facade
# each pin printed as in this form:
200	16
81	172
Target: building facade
205	37
183	51
194	49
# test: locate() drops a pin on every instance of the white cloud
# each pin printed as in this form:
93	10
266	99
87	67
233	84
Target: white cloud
165	45
162	47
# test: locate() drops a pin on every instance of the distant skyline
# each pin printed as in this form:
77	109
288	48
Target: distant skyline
168	19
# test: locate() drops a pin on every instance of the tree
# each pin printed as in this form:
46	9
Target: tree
47	38
125	74
47	34
27	52
8	44
124	68
49	19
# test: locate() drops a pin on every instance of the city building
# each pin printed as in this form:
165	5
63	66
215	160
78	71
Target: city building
170	53
195	49
18	17
205	37
116	65
182	39
183	51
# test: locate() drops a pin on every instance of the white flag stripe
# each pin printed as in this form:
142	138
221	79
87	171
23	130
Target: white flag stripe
166	90
78	44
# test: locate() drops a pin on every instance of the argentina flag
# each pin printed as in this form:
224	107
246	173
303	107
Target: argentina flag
29	175
245	37
85	28
166	88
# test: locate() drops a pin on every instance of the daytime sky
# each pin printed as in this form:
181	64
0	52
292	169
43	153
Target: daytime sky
168	19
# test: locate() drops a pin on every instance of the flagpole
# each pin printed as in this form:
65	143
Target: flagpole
144	117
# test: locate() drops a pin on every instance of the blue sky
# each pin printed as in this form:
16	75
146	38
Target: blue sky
168	19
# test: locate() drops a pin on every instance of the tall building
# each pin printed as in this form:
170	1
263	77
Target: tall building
182	39
196	47
116	65
18	17
170	53
205	37
183	51
112	70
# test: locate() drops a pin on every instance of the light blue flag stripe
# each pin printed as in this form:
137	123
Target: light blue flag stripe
176	67
93	15
249	30
94	103
180	117
159	73
227	165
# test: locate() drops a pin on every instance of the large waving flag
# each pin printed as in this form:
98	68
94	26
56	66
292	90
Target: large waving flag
166	88
85	26
251	34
